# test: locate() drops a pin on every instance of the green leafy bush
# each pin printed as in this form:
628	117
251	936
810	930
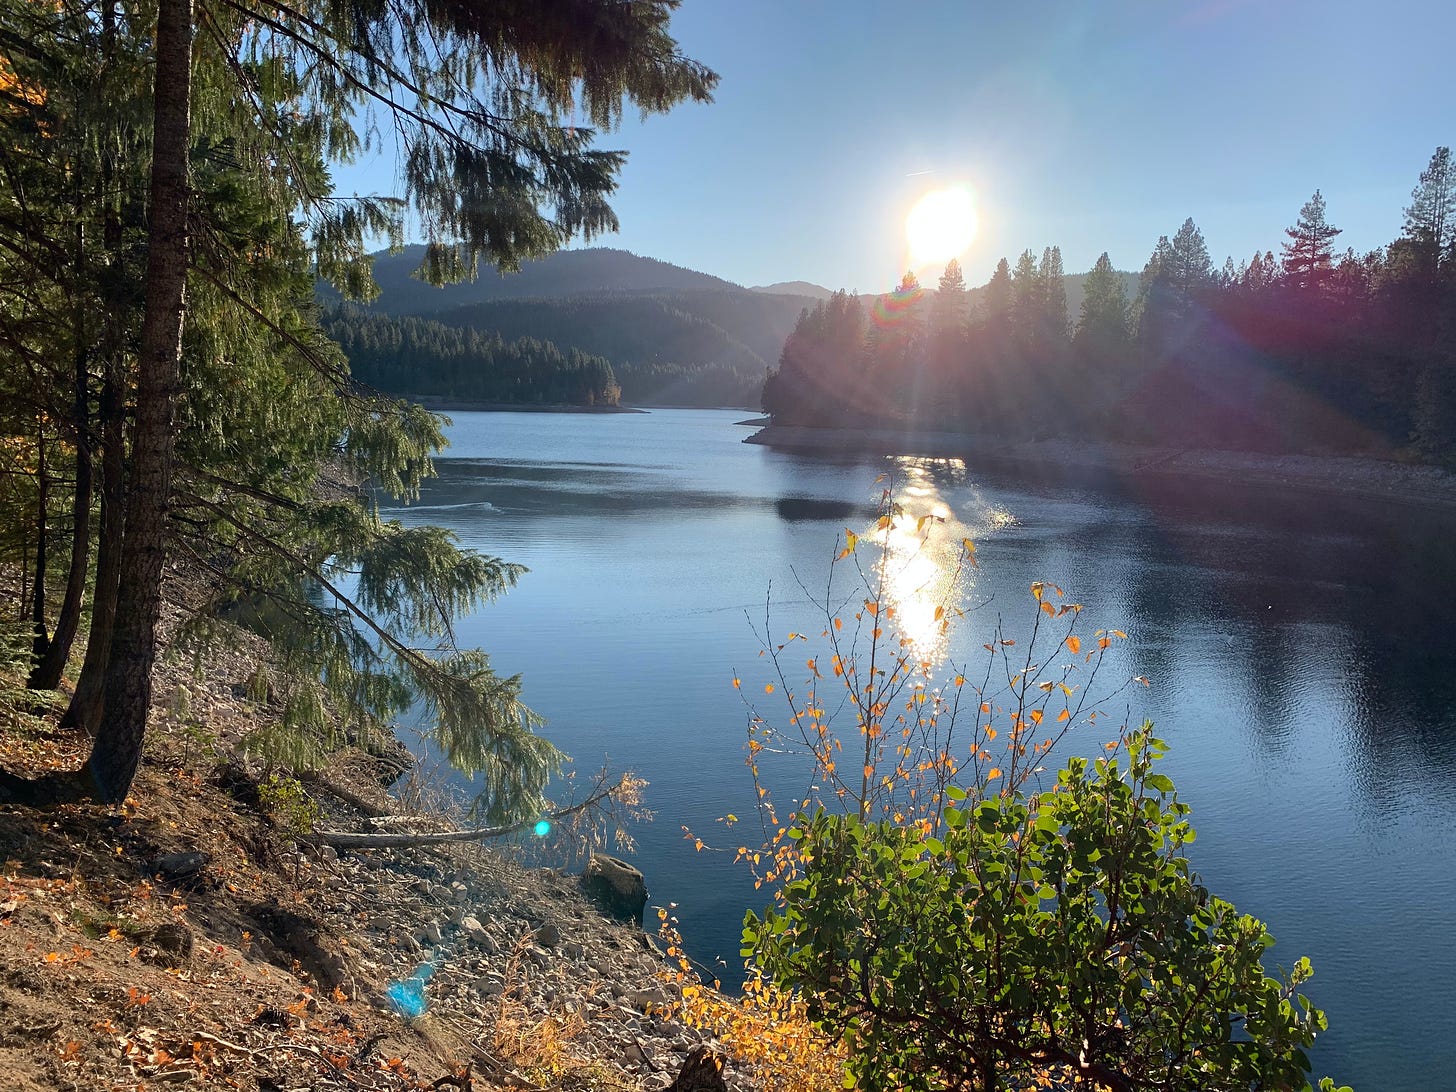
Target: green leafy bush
1035	939
956	914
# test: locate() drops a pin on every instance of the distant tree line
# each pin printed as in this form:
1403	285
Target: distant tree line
625	347
702	348
427	359
1312	350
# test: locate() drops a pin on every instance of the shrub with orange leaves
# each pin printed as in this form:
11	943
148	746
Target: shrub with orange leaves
953	916
765	1027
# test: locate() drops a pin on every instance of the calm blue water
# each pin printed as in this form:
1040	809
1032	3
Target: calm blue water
1300	650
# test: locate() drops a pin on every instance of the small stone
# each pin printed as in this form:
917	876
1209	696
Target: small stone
634	1055
178	866
174	939
548	936
642	1000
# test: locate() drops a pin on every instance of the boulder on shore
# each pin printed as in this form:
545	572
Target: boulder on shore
615	886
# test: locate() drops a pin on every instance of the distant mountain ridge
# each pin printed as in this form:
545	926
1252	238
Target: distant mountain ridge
562	274
671	335
795	288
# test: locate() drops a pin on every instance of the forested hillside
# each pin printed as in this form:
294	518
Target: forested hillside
670	336
429	360
1313	350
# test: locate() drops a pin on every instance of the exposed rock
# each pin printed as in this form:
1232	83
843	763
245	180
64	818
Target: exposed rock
176	867
616	886
643	1000
548	936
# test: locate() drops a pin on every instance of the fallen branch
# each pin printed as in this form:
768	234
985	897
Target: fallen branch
378	840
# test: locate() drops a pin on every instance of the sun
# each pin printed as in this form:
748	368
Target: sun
941	226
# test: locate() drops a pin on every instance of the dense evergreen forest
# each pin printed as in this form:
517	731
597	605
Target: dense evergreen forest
1307	350
423	359
672	336
687	348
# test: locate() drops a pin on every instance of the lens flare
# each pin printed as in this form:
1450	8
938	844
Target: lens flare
941	226
542	828
408	995
895	307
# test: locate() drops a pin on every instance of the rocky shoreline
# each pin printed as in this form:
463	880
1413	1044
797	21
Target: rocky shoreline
462	941
201	934
1369	476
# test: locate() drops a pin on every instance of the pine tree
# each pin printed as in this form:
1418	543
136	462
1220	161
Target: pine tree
951	310
493	169
1053	294
1028	294
1186	265
1308	255
1103	322
1430	219
998	300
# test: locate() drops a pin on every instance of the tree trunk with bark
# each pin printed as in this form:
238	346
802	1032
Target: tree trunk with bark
46	674
127	687
127	693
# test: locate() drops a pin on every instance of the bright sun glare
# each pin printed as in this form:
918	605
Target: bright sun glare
940	226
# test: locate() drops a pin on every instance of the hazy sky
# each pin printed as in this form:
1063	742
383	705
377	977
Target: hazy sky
1092	126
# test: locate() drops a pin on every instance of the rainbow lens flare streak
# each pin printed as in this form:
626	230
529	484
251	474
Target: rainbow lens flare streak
894	307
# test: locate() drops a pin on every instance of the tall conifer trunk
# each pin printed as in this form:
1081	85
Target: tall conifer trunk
84	711
46	674
126	694
40	640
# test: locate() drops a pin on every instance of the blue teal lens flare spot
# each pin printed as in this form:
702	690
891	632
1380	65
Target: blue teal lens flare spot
542	828
408	996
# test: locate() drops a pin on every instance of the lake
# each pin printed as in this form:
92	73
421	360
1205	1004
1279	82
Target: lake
1299	649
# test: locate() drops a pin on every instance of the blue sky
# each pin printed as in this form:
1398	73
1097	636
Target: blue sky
1091	126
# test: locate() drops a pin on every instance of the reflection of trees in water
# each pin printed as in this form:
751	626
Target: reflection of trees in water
1297	591
1373	577
796	509
1403	740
